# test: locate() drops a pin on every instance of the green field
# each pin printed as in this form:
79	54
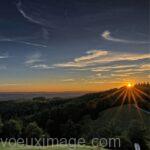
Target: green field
60	147
120	116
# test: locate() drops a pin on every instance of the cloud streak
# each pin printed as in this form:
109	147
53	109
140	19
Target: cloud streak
22	42
42	66
91	54
101	57
33	59
68	80
108	68
107	36
14	84
20	9
37	62
4	56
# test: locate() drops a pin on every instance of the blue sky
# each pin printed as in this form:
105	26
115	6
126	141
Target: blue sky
73	45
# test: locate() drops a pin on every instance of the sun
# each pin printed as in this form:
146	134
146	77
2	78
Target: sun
129	85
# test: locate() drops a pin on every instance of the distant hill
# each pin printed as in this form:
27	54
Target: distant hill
28	96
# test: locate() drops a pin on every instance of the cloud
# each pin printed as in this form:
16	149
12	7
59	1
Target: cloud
20	9
96	82
83	60
36	61
14	84
107	36
124	70
36	16
32	44
101	57
42	66
22	42
108	68
119	75
3	67
145	66
4	56
124	64
33	59
100	69
8	84
70	65
133	70
91	55
68	80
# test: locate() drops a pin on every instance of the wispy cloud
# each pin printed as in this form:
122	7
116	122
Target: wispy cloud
8	84
26	41
102	57
20	9
133	70
83	60
108	68
70	65
91	55
3	39
36	61
42	66
4	56
32	44
68	80
124	70
145	66
96	82
33	59
14	84
107	35
100	69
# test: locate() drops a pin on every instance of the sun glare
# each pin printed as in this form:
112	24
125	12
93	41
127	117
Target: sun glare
129	85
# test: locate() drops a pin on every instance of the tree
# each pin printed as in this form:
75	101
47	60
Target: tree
137	134
111	129
1	125
52	128
12	128
71	130
125	142
33	131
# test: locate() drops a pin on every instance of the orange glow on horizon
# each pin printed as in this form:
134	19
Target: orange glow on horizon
77	86
60	87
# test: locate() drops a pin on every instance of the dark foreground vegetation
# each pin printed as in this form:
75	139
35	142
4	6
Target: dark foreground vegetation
107	114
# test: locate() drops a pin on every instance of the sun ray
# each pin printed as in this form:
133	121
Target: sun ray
142	92
135	102
139	96
120	95
124	98
108	96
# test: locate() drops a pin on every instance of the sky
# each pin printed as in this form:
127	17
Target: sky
79	45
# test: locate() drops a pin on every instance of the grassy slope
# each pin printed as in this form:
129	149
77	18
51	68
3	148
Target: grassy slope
121	118
62	147
125	115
